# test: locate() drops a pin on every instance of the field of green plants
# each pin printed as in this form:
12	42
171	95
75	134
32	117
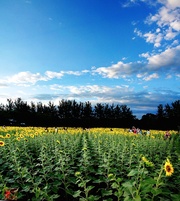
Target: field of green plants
94	164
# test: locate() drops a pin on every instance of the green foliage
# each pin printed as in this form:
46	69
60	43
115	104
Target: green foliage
88	166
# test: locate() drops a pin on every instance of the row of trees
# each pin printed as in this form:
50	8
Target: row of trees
73	113
67	113
167	117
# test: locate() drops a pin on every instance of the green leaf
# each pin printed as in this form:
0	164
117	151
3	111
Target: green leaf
77	194
132	173
137	198
156	191
118	193
175	197
26	189
55	196
127	184
148	181
119	180
106	192
90	188
127	198
114	185
98	181
93	198
108	199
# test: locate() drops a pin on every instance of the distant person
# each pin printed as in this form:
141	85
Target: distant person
148	132
134	130
167	135
139	131
56	130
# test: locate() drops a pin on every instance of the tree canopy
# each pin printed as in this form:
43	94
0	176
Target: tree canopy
84	114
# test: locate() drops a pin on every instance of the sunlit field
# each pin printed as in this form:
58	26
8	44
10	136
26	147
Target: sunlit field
59	164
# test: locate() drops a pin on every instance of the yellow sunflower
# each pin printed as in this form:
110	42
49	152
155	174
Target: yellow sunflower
31	135
8	135
1	143
168	168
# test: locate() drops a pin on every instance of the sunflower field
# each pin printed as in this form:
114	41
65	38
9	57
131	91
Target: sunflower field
71	164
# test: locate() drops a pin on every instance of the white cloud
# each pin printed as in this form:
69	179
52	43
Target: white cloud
124	58
150	77
167	22
140	75
168	76
89	89
170	34
118	70
3	85
169	58
92	91
25	78
51	74
138	32
77	73
171	3
175	25
158	30
175	42
153	38
145	55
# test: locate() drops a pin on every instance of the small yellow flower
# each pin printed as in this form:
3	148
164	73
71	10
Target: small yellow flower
84	148
2	143
147	162
8	135
77	174
168	168
111	176
31	135
144	159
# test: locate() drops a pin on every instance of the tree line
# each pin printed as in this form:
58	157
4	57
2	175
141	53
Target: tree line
83	114
167	117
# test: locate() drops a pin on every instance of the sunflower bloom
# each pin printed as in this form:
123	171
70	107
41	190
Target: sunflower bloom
1	143
168	168
8	135
31	135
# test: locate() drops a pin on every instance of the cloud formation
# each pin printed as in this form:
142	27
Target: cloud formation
25	78
140	102
169	61
167	21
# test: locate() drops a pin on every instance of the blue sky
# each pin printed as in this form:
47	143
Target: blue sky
102	51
